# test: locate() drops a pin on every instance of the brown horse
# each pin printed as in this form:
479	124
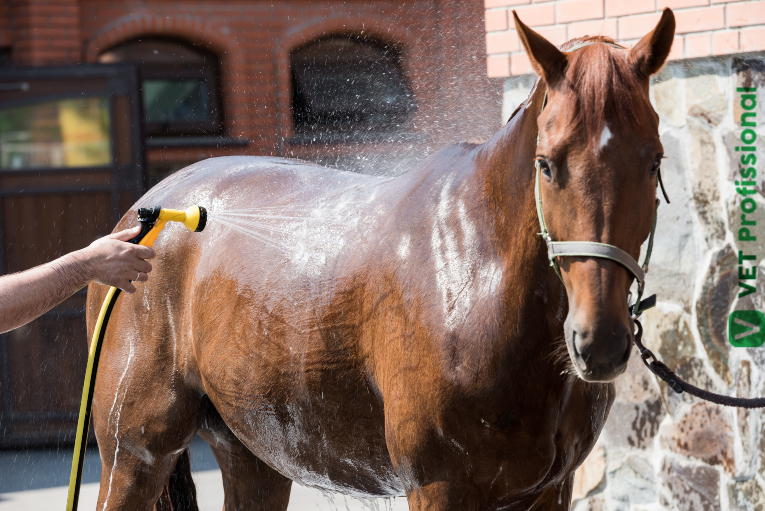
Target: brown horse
401	336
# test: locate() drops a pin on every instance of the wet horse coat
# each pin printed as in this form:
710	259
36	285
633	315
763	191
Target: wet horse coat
386	336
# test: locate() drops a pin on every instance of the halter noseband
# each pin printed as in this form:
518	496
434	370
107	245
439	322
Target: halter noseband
593	249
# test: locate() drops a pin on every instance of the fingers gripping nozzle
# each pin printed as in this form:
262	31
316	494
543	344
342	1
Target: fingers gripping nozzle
194	218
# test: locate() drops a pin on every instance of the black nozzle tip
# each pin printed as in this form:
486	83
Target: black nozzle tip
202	219
149	214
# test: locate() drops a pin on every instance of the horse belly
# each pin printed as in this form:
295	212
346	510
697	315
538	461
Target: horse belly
343	454
300	403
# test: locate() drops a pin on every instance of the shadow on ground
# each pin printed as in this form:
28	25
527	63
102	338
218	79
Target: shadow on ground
35	469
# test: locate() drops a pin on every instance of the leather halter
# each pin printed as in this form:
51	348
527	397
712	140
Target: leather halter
557	249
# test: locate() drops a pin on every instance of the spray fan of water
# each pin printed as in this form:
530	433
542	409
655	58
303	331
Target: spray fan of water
275	228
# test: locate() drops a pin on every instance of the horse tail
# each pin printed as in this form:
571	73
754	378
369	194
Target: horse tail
179	493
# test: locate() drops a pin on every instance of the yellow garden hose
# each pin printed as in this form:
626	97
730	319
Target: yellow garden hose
152	221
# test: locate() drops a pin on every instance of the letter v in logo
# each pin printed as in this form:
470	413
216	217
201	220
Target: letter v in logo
746	329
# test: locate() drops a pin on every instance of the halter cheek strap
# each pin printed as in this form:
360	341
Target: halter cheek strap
557	249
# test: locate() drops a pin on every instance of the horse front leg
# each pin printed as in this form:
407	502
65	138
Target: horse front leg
443	496
448	495
444	464
434	473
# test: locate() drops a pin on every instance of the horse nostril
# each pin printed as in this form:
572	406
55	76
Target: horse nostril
580	343
600	346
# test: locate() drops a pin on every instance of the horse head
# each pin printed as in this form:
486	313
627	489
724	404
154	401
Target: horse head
598	155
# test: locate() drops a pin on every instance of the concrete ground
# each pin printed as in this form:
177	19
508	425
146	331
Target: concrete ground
36	480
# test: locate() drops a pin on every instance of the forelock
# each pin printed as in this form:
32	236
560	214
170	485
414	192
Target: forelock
605	88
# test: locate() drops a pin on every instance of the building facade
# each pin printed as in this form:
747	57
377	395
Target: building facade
661	450
439	46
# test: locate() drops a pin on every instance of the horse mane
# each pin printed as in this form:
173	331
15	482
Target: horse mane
606	87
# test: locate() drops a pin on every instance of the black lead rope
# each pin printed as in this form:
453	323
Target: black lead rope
678	385
661	370
661	183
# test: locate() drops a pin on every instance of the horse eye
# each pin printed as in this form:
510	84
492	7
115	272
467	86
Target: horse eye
656	165
544	167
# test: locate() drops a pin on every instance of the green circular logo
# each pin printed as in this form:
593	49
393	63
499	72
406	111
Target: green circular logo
746	329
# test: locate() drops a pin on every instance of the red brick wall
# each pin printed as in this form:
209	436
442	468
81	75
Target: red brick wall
704	27
5	24
43	32
442	44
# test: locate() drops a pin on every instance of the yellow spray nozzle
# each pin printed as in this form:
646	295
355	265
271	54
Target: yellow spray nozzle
153	221
194	218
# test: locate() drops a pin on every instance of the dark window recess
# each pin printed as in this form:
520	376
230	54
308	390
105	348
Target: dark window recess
179	86
345	84
5	57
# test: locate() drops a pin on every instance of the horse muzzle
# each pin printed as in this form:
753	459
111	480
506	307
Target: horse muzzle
599	349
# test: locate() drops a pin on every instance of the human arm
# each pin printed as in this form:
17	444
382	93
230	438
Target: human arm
110	260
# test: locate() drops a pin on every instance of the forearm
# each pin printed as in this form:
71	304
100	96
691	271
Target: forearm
110	260
26	295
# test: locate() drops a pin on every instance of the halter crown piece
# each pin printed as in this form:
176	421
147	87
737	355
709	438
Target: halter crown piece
557	249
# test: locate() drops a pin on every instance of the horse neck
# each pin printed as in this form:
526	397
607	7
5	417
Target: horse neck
508	155
505	165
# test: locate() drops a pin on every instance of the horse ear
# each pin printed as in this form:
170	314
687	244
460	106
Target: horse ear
651	51
547	60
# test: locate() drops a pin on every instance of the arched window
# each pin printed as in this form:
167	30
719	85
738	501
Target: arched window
179	85
348	84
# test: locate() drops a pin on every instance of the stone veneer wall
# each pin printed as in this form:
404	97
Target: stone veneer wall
661	450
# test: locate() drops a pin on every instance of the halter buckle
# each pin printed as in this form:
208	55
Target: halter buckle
645	304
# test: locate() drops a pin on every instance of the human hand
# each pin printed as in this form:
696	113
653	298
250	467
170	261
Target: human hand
114	262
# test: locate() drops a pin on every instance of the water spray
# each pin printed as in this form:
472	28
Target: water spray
152	221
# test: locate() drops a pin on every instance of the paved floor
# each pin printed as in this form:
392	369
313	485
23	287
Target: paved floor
35	480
